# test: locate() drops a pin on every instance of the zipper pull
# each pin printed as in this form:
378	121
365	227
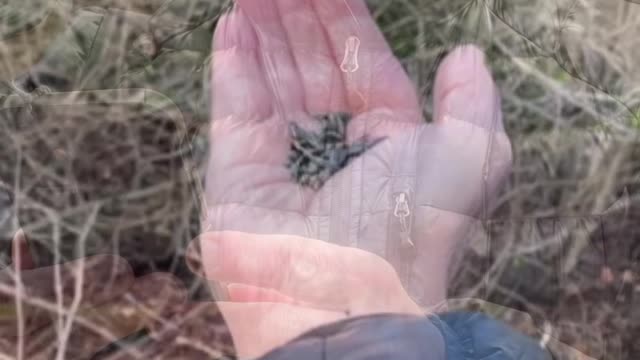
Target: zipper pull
402	212
350	61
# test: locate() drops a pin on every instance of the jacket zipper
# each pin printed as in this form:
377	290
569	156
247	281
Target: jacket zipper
400	242
402	213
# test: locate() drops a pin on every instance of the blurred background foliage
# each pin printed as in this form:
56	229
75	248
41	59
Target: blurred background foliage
567	70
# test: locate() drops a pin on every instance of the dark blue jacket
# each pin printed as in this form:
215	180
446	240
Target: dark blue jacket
452	336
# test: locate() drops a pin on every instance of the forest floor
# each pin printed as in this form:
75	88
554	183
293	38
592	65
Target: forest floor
562	245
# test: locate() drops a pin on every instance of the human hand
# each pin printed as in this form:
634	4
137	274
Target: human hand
281	286
279	61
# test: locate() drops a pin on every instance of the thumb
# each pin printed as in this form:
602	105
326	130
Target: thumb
464	89
466	155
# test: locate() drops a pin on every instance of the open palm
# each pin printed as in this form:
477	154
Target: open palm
282	61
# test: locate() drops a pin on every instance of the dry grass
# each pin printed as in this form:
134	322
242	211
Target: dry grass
563	243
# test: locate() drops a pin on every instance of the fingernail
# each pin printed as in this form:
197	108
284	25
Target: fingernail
465	90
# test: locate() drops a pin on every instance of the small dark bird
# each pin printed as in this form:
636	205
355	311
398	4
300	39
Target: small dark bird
316	156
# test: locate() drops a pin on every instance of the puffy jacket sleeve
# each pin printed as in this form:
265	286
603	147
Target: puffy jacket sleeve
374	337
451	336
